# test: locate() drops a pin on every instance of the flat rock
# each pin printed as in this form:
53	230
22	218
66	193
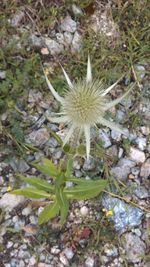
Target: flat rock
122	169
68	25
19	165
141	192
145	169
53	46
136	155
9	201
124	215
141	142
68	253
134	247
39	137
35	41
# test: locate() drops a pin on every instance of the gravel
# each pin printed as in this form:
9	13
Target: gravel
134	247
74	244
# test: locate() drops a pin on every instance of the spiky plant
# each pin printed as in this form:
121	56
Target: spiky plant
84	105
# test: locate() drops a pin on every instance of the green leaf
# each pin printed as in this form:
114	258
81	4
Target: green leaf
38	183
49	212
82	181
86	191
46	167
69	168
63	204
31	193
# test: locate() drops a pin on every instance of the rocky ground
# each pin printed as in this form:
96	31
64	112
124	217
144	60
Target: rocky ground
112	230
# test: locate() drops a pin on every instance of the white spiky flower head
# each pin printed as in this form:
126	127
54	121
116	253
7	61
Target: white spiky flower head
84	105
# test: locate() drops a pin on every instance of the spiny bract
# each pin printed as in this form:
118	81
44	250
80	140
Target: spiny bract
84	105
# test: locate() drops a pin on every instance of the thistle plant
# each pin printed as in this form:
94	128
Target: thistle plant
84	105
56	192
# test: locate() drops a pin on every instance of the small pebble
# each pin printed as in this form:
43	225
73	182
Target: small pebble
89	262
84	211
63	259
26	211
137	155
69	253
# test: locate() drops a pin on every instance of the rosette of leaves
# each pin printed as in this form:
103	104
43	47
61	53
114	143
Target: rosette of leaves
56	192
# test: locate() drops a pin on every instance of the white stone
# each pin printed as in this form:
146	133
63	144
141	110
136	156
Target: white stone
76	10
89	262
67	38
145	169
68	25
54	47
115	135
9	244
76	42
110	250
137	155
69	253
63	259
137	232
32	261
140	71
2	74
55	250
145	130
33	219
60	38
9	201
141	142
26	211
84	211
120	152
